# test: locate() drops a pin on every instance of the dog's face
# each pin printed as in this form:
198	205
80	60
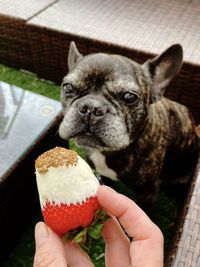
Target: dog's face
104	103
106	98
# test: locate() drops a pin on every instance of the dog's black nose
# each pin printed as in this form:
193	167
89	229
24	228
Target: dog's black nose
92	108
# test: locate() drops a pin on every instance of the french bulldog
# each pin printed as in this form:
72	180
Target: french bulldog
115	108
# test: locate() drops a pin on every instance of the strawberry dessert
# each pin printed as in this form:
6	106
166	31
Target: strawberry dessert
67	190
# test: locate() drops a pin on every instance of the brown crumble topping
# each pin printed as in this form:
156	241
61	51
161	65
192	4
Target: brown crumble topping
56	157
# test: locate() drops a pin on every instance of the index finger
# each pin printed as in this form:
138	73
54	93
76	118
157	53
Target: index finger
133	219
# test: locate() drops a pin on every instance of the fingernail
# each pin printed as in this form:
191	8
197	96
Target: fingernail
41	233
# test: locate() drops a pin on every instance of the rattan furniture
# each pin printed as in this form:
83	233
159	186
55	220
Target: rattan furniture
186	248
138	29
15	47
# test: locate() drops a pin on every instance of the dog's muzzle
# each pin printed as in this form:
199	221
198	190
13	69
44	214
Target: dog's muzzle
92	110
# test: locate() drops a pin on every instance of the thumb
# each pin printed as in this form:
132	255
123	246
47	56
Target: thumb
49	248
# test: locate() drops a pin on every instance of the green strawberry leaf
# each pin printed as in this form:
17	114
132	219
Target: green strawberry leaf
83	236
95	231
84	247
100	217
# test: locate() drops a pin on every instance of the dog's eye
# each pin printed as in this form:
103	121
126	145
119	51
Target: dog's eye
130	97
68	89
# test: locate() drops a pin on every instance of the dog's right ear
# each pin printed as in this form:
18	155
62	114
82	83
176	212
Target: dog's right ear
162	69
73	56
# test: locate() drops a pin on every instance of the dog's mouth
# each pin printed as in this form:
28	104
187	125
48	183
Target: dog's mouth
87	139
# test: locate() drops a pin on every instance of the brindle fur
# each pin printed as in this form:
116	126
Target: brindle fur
143	141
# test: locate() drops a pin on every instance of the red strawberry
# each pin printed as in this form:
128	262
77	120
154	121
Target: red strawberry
63	218
67	189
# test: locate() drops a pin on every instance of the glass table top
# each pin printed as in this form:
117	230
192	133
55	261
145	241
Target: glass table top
23	118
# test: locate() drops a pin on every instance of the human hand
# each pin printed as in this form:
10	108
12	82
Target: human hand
146	249
51	251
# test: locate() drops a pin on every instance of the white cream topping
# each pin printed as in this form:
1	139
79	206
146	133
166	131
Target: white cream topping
67	185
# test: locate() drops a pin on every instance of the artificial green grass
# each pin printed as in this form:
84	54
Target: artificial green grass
165	209
29	81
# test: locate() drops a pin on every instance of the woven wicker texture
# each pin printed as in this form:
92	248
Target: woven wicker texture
14	42
137	29
146	25
23	9
187	248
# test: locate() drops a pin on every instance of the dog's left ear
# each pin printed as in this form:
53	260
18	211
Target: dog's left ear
73	56
163	68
